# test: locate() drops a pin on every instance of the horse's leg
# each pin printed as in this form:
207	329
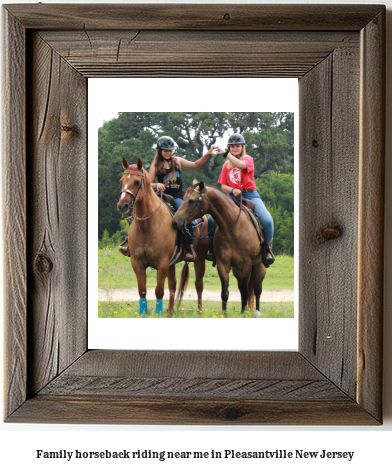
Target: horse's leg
140	273
200	268
223	271
243	277
258	275
171	276
160	288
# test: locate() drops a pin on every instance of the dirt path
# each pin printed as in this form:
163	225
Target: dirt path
132	294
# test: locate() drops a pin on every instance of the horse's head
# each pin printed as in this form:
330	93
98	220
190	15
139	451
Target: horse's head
192	206
133	185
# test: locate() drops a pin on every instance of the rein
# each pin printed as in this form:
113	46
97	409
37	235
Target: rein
142	185
200	201
147	217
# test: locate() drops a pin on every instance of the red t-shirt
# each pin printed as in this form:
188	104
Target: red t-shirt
237	178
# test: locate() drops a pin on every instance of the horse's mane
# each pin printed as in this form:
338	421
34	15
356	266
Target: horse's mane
224	195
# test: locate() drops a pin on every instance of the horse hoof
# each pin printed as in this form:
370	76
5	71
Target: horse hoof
257	314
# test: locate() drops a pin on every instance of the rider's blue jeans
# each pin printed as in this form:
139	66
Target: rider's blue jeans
260	210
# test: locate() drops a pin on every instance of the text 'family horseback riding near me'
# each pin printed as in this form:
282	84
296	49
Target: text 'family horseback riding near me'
213	454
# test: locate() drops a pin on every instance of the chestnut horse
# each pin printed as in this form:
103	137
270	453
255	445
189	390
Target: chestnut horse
236	243
152	239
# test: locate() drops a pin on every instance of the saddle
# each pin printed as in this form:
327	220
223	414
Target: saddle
182	242
249	207
169	201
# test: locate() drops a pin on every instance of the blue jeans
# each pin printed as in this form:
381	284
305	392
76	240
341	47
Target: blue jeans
177	204
260	209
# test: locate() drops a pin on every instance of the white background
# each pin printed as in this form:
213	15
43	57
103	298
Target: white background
371	444
164	95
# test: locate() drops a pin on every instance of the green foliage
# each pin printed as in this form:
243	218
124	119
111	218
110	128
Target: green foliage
115	240
277	191
269	137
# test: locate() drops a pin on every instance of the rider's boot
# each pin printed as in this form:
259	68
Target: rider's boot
270	257
209	255
190	254
123	249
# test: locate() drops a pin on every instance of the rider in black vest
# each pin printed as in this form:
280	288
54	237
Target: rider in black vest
167	167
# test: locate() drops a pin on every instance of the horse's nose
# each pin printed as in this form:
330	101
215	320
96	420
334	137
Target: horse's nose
175	224
123	206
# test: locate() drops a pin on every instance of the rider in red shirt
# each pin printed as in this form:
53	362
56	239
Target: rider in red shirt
237	177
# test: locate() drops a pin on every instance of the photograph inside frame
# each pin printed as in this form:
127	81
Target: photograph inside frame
196	215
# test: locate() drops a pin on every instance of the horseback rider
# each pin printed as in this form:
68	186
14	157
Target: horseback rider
236	178
166	167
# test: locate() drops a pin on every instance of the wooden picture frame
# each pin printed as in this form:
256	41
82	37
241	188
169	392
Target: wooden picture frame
338	54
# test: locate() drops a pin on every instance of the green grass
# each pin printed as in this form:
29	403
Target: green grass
189	309
115	271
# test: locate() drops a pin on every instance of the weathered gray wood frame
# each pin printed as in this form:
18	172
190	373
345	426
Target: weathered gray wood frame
337	52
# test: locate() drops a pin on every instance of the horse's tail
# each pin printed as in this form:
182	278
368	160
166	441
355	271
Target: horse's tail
184	279
251	291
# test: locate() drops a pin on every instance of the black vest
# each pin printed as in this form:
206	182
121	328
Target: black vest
174	180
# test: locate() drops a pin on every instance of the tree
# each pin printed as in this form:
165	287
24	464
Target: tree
269	138
277	192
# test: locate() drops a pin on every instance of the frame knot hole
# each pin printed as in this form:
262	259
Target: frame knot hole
227	17
329	232
232	413
315	143
69	129
43	264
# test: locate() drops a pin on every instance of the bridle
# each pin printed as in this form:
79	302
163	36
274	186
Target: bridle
142	184
200	201
136	196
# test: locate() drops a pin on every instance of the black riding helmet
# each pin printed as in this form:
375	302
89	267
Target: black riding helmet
236	139
166	143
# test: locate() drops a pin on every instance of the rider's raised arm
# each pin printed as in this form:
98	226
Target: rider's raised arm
236	162
195	164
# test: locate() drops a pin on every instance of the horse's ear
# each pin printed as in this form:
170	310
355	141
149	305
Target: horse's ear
125	163
201	186
195	181
139	164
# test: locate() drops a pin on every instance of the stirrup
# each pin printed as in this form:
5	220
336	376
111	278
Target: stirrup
209	255
190	254
270	257
124	251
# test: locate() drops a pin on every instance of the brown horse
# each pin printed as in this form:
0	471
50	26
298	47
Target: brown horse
152	239
236	243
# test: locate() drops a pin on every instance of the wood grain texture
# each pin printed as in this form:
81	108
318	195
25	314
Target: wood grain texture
14	207
371	216
203	374
192	387
193	17
104	410
57	213
329	98
335	378
193	53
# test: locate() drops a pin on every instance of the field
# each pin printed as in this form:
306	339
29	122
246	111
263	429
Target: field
188	309
115	272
